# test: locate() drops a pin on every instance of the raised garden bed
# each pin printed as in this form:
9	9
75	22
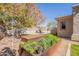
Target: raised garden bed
74	51
39	47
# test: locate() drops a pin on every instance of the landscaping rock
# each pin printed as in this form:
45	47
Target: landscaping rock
7	52
10	42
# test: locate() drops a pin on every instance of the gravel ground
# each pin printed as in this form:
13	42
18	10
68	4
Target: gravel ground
10	42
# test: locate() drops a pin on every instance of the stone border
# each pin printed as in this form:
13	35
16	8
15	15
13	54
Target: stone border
68	50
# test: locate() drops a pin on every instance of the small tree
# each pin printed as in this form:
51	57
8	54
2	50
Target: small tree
51	25
9	12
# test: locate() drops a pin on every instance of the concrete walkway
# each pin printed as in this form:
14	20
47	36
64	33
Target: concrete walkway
62	48
74	42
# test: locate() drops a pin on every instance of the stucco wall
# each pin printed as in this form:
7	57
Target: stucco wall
75	35
69	26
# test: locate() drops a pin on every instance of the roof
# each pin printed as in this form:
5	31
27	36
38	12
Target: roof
74	5
62	17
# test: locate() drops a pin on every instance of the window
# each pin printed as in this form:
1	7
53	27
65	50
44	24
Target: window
63	26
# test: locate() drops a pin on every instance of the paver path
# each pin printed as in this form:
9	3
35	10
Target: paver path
62	48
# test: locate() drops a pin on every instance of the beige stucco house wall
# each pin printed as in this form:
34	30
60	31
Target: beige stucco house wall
75	35
67	22
68	26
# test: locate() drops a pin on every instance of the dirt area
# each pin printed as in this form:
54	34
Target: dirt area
10	42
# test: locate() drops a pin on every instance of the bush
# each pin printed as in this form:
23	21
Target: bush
37	47
48	41
29	46
51	37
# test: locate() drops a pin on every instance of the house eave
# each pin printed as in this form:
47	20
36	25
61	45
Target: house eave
62	17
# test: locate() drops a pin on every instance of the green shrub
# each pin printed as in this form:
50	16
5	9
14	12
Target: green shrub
29	46
51	37
46	42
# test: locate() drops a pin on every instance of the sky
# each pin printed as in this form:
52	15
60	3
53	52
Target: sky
52	10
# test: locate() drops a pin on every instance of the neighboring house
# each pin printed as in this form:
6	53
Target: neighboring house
29	30
68	26
34	30
44	30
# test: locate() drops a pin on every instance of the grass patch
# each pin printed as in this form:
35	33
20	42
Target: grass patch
74	50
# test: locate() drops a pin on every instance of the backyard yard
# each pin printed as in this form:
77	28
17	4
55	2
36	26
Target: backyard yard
24	31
